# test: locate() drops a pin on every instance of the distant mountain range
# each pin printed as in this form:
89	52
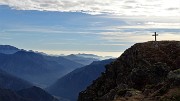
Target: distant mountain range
42	70
94	56
80	59
69	64
37	68
71	84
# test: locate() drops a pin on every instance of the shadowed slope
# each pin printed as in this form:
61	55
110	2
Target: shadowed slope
144	67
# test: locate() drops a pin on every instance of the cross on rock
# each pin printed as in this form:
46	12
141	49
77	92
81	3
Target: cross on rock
155	36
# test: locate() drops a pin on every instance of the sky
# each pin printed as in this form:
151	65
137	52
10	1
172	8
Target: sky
101	27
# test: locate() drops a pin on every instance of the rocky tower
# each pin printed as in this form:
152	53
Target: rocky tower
145	71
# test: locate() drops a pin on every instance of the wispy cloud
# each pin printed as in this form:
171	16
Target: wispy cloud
134	31
43	29
117	7
108	44
5	38
138	36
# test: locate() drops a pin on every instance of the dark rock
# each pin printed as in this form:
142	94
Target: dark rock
140	77
175	77
139	66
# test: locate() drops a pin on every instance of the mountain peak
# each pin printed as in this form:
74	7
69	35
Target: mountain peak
8	49
142	69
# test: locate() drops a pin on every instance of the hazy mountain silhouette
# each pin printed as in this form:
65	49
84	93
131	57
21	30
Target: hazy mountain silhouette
71	84
8	81
7	49
9	95
35	67
69	64
29	94
93	56
80	59
36	94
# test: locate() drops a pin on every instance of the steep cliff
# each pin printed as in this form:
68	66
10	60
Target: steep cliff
146	71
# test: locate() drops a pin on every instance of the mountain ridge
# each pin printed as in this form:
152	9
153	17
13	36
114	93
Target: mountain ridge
80	59
71	84
33	67
8	49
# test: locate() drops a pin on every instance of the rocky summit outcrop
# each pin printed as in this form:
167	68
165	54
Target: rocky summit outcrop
145	72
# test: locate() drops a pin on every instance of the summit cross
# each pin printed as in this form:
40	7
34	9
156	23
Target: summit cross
155	36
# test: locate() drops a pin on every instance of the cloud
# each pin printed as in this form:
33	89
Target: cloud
172	8
139	35
135	31
117	7
126	36
5	38
108	44
140	38
42	29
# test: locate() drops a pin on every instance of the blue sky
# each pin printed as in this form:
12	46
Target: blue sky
103	28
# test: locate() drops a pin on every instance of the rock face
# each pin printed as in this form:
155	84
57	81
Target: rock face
145	71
